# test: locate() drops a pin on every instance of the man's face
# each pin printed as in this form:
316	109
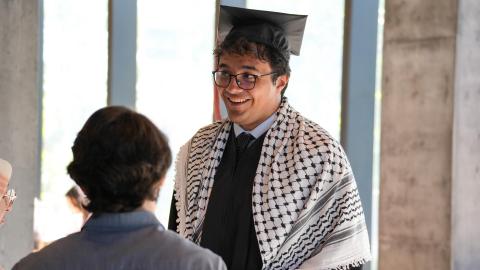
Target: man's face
249	108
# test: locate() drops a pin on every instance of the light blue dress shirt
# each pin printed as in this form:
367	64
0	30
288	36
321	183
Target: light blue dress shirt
259	130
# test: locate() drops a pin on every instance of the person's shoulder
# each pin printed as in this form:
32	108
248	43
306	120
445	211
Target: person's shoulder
194	256
321	148
313	133
205	137
31	261
211	128
185	254
41	259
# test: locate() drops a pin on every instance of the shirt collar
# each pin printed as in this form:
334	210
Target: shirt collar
121	221
259	130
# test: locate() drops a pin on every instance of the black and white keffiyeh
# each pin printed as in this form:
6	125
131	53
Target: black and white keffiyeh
306	208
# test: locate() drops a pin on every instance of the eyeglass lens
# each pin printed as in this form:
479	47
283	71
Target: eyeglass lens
245	81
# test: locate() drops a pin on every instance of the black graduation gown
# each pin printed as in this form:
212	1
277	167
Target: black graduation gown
228	228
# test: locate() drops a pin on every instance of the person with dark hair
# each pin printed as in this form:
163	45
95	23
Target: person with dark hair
120	159
75	198
266	188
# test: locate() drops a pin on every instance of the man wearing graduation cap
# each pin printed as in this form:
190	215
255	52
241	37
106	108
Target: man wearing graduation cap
266	188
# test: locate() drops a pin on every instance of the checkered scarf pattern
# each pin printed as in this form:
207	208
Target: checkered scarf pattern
306	208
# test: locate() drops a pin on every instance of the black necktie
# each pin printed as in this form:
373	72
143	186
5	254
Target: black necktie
243	140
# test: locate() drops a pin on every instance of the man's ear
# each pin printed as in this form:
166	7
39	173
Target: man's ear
281	82
161	182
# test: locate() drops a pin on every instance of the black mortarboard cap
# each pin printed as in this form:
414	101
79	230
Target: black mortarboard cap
281	31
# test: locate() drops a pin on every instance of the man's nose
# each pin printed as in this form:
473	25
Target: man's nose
233	86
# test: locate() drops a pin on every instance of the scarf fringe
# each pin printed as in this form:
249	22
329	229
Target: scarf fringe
180	169
351	263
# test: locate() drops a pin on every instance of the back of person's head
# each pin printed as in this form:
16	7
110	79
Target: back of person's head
119	160
74	197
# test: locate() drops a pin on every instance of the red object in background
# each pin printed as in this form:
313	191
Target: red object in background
217	115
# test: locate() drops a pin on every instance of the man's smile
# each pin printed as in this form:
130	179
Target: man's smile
237	101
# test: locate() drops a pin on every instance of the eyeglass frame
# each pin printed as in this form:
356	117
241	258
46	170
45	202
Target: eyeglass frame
9	198
236	79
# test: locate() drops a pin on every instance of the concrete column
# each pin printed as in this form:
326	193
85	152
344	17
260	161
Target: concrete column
358	96
466	140
20	120
122	52
416	128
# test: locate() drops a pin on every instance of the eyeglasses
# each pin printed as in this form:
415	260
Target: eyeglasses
6	203
9	197
245	81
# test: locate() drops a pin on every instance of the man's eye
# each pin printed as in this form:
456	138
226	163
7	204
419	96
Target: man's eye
224	74
247	77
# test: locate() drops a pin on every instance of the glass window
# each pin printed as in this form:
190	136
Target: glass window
316	78
376	138
75	62
174	64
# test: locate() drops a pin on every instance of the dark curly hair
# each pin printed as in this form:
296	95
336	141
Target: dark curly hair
241	46
119	158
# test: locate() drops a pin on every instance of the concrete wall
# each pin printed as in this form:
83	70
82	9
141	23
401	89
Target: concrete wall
19	120
466	141
416	134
